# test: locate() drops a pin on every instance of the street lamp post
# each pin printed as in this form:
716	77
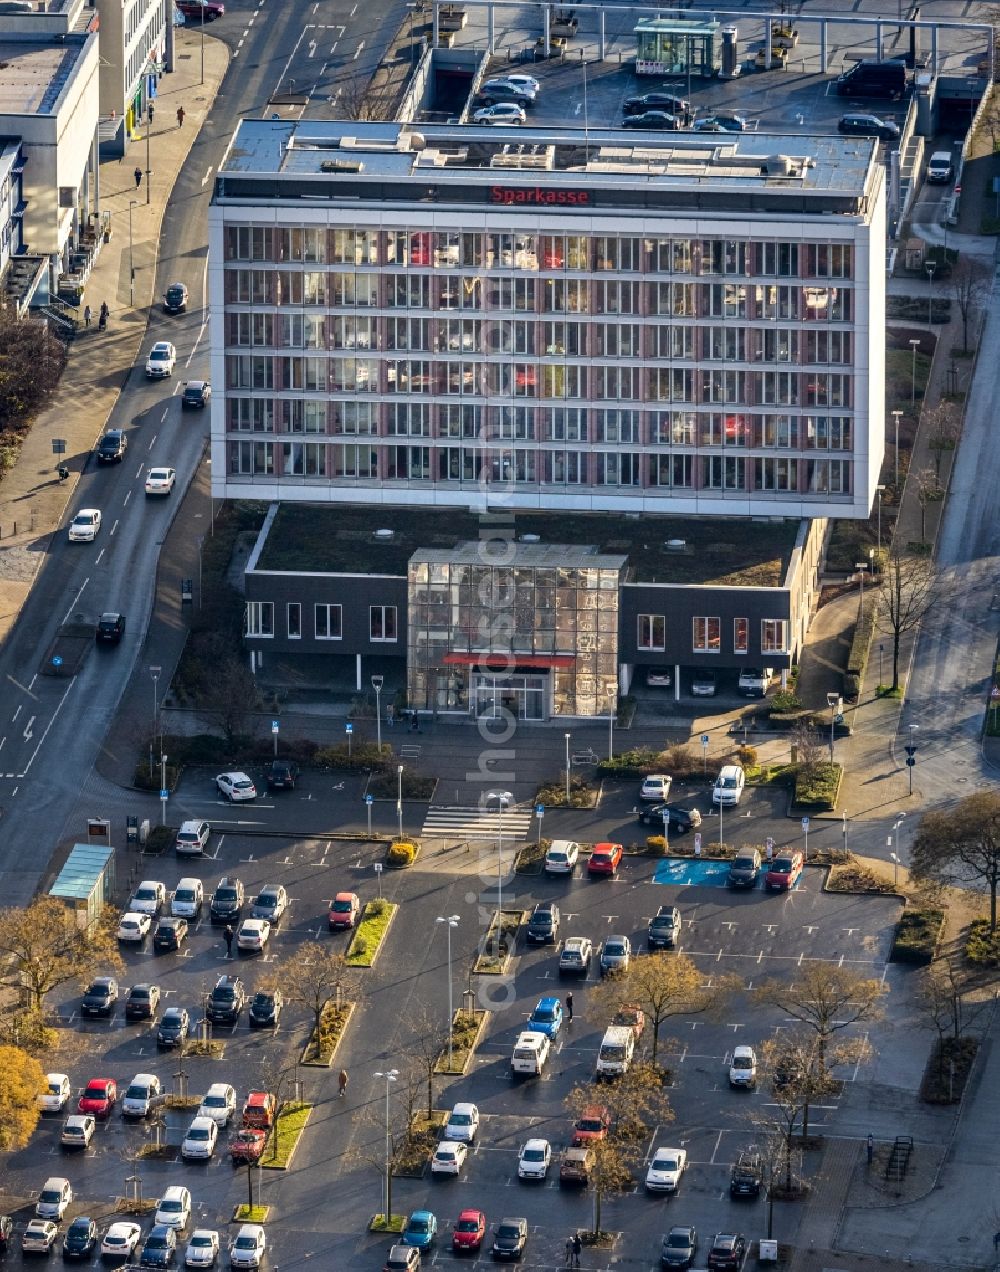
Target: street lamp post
861	566
503	799
155	673
833	702
911	755
390	1076
567	769
131	263
399	797
377	682
844	832
450	922
163	789
895	480
612	709
878	492
881	651
149	125
930	267
914	345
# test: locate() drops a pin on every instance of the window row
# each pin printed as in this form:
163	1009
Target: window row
328	622
367	463
476	293
740	430
706	635
460	249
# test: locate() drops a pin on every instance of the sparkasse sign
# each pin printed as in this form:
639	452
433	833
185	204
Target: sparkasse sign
535	196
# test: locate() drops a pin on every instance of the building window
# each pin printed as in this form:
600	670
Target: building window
383	622
328	626
706	635
773	636
294	620
652	631
741	634
260	618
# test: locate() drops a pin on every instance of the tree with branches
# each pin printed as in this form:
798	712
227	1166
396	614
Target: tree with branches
962	845
968	290
944	428
825	998
907	590
43	947
22	1081
945	1005
929	490
315	976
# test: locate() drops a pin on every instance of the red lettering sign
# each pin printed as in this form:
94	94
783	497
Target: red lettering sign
535	196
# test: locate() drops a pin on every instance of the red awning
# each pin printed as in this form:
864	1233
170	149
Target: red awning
509	661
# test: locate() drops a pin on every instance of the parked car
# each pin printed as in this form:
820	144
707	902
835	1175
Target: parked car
39	1236
259	1110
265	1007
203	1248
543	925
100	997
616	954
247	1145
219	1103
746	1175
722	121
655	788
174	1025
227	901
664	928
679	819
729	786
149	898
659	677
56	1095
142	1001
161	359
402	1258
462	1124
80	1240
141	1095
534	1159
547	1017
134	928
201	10
605	860
509	1238
121	1239
449	1158
593	1124
678	1248
743	1068
784	871
252	936
744	870
576	1166
192	839
200	1139
174	1208
226	1001
54	1199
99	1098
159	1248
237	787
282	775
112	446
658	101
728	1252
110	629
421	1230
508	88
561	856
170	934
270	903
500	113
77	1131
575	956
663	1174
189	896
467	1235
344	911
703	684
197	395
754	681
868	126
654	121
249	1246
160	481
631	1017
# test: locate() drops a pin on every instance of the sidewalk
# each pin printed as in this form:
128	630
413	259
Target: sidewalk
32	499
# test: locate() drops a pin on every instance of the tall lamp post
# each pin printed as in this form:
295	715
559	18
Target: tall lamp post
567	769
399	797
503	800
878	492
377	682
390	1076
155	673
930	267
861	566
914	345
450	922
895	479
612	709
833	702
132	203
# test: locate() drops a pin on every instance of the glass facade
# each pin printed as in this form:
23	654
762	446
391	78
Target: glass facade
536	636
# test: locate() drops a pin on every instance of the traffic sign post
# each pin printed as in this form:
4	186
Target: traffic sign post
805	831
369	800
275	728
378	876
704	752
539	813
666	832
349	730
697	843
911	759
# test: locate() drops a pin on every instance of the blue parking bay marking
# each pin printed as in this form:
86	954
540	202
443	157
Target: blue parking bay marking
687	872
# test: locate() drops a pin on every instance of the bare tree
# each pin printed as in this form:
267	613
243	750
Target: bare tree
808	748
227	695
943	999
962	845
315	976
928	491
907	590
366	98
31	361
944	428
967	287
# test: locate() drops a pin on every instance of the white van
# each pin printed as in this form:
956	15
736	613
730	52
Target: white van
531	1051
616	1053
188	898
728	788
939	167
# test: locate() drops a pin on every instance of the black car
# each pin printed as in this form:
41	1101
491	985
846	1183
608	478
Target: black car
110	629
655	120
112	447
174	1025
745	869
170	934
728	1252
175	298
227	901
282	775
681	819
868	126
658	101
100	997
746	1176
678	1248
664	928
543	926
80	1239
226	1000
265	1009
159	1247
196	394
509	1238
142	1002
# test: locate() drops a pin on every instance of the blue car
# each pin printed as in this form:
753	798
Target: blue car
547	1017
421	1229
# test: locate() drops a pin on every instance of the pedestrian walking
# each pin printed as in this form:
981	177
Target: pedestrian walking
138	176
87	315
996	1241
577	1249
229	934
102	320
569	1252
180	116
414	721
150	112
569	1006
342	1083
390	715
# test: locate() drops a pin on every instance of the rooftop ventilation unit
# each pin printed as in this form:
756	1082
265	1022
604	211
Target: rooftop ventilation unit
384	536
676	545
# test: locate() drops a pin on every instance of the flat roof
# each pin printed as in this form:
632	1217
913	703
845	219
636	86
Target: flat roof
33	73
474	163
82	871
537	556
708	551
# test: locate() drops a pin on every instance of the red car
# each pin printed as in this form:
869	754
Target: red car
783	872
99	1098
593	1125
605	859
468	1232
247	1146
344	911
201	10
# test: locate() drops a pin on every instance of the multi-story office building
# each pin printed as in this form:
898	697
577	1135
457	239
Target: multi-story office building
689	324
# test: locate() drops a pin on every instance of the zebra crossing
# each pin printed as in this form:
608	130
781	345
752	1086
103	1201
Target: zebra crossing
447	822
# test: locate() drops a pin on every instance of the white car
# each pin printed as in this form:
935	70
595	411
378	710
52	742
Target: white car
728	788
252	935
200	1140
743	1068
535	1159
160	481
664	1171
248	1248
524	81
134	927
236	787
449	1158
120	1240
562	856
85	525
203	1249
508	86
39	1236
77	1131
189	896
500	113
192	838
462	1124
140	1095
174	1208
160	362
54	1198
149	897
655	788
57	1093
219	1103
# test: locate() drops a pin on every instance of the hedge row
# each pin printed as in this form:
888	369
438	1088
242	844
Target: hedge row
917	936
857	659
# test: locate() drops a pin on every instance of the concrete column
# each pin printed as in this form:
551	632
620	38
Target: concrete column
934	50
357	657
767	46
96	167
434	31
677	682
548	30
878	40
602	42
168	36
822	47
491	27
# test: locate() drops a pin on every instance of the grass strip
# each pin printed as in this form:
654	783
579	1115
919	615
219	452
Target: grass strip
370	932
288	1126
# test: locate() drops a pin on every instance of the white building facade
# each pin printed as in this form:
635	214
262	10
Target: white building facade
133	51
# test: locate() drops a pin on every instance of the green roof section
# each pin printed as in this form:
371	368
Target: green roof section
704	551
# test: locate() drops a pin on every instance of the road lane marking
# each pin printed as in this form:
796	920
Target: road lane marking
17	712
207	177
75	599
41	740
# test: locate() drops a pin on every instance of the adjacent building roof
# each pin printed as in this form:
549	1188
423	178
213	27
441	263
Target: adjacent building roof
33	73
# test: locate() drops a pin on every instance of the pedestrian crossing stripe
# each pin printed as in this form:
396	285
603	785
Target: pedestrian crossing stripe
475	823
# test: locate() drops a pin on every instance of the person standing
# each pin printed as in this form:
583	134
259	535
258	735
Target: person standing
342	1083
87	315
569	1006
569	1252
228	934
180	116
102	320
390	714
577	1249
138	176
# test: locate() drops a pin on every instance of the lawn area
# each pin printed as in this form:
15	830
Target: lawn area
395	1223
289	1125
819	787
251	1214
917	935
465	1030
370	932
319	1051
899	373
